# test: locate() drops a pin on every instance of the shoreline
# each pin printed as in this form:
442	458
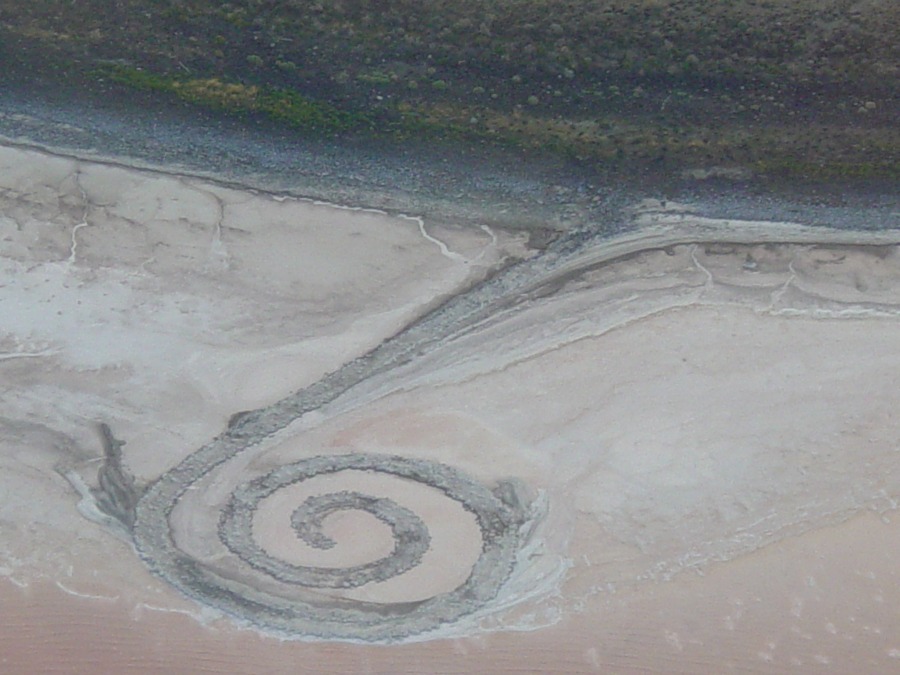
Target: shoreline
445	183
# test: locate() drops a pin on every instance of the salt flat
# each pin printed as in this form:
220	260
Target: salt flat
698	419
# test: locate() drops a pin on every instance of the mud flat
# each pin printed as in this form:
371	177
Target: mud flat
674	449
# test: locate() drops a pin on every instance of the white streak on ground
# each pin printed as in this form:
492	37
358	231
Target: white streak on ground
28	355
779	293
84	221
79	594
204	616
446	252
709	277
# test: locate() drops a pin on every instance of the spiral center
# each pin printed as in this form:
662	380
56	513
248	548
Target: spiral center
362	533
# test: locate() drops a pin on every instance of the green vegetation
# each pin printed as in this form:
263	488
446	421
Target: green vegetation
808	87
284	106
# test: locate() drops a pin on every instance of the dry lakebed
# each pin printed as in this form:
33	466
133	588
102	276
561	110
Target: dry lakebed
246	432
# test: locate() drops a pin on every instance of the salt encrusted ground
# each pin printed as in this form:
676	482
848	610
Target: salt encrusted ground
711	428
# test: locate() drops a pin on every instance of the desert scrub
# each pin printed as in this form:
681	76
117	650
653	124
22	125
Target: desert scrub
797	150
213	93
302	113
604	80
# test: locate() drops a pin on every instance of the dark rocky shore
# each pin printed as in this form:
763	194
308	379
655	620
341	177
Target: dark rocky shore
447	182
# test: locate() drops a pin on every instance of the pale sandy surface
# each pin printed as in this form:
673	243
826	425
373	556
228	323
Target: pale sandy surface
712	431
